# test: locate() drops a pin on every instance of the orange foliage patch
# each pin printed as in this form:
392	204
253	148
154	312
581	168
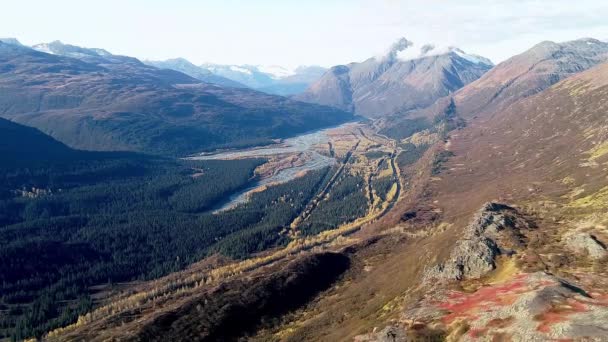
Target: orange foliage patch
463	305
557	315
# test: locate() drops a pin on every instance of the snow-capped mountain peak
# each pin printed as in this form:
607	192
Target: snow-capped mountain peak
405	50
58	48
472	58
429	50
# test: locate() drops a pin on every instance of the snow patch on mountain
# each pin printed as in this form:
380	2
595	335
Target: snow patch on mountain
472	58
101	52
428	50
276	72
43	47
58	48
240	69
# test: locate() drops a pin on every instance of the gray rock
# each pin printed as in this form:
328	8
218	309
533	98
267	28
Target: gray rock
584	242
474	255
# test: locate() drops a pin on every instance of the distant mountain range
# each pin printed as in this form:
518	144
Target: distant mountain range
270	79
183	65
397	82
92	99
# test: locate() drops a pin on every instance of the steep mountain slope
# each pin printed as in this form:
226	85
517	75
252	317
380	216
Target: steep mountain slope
21	145
516	78
333	89
555	139
529	73
183	65
392	84
122	104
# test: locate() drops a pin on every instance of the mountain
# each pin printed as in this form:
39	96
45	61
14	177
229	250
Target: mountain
90	55
183	65
293	82
245	74
58	48
97	102
516	78
396	83
11	41
29	148
270	79
529	73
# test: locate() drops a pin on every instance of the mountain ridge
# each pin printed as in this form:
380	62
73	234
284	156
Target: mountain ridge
183	65
528	73
272	79
389	85
121	103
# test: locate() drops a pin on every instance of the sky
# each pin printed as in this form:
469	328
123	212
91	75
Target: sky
299	32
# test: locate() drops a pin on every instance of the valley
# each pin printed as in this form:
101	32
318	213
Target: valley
287	159
327	184
421	194
360	155
295	156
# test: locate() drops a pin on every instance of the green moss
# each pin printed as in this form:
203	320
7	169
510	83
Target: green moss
598	151
595	201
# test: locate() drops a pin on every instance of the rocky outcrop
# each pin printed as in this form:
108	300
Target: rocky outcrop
530	307
495	230
587	244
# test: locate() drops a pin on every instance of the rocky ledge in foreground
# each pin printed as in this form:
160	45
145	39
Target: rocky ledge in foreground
530	307
480	293
497	229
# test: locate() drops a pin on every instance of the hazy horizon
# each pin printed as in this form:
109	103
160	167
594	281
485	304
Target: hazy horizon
312	33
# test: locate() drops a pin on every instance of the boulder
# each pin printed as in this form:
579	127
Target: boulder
586	243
